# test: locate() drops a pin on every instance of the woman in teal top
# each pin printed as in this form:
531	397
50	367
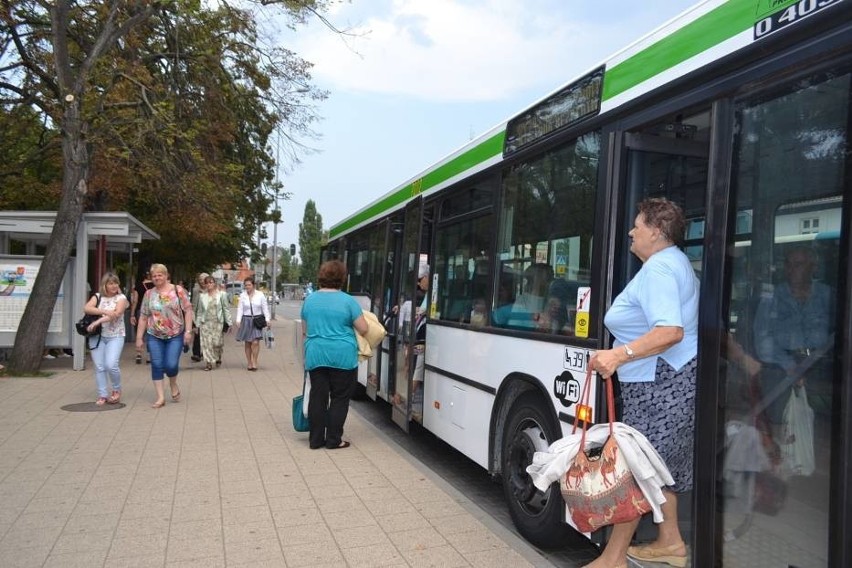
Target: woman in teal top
330	319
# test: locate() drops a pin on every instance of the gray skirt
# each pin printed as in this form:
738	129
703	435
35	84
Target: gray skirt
247	331
664	411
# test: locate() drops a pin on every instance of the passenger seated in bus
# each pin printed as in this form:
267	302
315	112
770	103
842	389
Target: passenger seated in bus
792	332
480	283
478	313
555	315
504	303
458	307
530	303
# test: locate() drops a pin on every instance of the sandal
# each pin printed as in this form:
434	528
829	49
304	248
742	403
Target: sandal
208	367
114	398
159	404
138	358
341	446
176	396
102	400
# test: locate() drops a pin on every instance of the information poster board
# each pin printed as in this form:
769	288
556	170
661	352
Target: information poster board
17	277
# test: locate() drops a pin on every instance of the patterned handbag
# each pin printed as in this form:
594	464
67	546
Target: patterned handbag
599	489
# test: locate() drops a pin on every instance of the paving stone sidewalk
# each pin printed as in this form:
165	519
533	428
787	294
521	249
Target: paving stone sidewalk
219	479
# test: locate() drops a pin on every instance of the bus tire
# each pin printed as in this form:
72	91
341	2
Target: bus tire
537	515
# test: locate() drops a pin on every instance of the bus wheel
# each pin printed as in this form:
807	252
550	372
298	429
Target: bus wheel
537	515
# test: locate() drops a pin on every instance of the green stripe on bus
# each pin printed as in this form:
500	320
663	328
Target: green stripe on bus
481	152
709	30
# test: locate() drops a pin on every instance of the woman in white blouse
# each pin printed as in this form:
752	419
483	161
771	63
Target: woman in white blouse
251	307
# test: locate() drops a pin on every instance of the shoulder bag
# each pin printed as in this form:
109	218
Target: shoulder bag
259	322
88	319
599	488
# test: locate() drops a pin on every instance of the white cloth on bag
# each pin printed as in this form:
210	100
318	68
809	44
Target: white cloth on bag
306	394
640	456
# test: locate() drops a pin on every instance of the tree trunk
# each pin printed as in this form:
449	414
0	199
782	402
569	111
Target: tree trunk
29	341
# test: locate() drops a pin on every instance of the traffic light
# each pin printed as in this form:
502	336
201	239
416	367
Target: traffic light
292	250
263	249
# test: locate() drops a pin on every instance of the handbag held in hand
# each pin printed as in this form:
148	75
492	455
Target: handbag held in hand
599	488
300	408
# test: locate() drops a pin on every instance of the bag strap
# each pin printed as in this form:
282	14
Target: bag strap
180	307
584	401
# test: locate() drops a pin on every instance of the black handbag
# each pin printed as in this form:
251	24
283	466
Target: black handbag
88	319
259	322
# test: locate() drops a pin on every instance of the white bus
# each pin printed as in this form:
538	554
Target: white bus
738	110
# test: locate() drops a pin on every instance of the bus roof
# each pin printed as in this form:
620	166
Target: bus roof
700	35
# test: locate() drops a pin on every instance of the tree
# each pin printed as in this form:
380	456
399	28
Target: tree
58	71
310	241
113	96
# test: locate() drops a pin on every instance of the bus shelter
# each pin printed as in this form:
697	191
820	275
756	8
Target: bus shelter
106	237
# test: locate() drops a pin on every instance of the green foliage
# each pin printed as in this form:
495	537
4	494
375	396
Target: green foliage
310	242
185	117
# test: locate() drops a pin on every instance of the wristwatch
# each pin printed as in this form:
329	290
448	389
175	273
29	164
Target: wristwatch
629	351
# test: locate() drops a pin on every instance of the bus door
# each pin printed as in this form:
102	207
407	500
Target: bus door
666	159
406	387
387	286
784	302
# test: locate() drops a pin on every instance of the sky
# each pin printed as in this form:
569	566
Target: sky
414	80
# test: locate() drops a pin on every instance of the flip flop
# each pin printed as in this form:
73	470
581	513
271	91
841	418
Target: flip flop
341	446
176	396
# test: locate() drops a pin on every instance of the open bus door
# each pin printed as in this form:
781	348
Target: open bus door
406	389
388	287
666	159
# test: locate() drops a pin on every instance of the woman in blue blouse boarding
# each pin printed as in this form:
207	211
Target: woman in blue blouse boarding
330	319
654	322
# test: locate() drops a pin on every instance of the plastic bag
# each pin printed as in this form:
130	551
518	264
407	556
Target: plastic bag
797	442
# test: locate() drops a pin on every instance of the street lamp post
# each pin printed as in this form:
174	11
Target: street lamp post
274	263
275	220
